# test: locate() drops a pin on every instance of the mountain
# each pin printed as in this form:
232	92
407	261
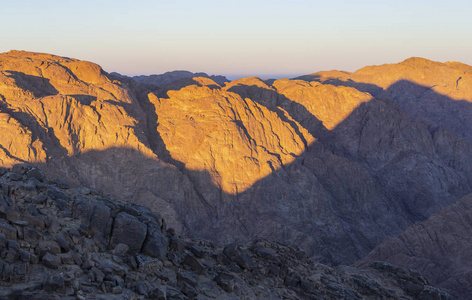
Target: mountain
333	162
58	242
433	92
170	77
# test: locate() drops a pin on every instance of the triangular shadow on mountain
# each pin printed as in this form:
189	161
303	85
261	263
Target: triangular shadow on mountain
84	99
176	85
279	103
145	114
424	104
370	88
38	131
38	86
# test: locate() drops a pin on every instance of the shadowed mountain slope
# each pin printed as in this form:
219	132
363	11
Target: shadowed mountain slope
328	167
439	248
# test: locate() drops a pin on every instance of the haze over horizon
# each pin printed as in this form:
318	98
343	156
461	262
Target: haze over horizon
244	38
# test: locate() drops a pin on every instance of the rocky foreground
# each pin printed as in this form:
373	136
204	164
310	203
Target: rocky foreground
58	242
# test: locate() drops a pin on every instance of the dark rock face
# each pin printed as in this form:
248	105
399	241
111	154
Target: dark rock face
439	248
64	257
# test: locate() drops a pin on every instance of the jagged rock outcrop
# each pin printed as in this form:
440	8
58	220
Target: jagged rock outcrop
58	242
439	248
328	167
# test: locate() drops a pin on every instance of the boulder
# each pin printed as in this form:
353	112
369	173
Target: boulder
120	250
225	281
37	174
51	261
239	256
66	258
193	263
128	230
156	244
9	231
3	171
21	169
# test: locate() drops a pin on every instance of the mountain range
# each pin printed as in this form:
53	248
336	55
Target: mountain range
170	77
350	167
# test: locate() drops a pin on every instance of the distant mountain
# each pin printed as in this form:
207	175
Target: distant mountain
169	77
334	162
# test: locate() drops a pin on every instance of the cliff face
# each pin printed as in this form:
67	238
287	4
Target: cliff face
330	167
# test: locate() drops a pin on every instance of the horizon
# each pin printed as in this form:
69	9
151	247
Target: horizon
266	39
278	76
233	77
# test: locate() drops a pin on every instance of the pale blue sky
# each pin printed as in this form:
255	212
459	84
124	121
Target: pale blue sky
236	38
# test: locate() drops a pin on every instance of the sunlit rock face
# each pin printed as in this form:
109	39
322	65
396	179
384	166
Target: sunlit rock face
237	141
334	168
63	106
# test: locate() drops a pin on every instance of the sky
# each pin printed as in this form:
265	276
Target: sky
269	39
